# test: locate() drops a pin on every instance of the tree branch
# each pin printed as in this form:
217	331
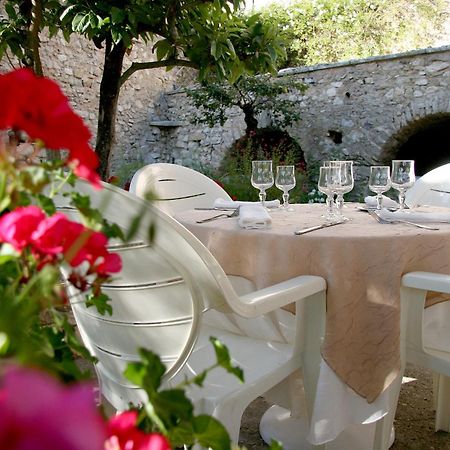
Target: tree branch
153	65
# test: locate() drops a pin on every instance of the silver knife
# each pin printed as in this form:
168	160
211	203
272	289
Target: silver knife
316	227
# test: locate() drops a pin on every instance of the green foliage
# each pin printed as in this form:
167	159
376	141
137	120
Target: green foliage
252	94
208	34
170	411
320	31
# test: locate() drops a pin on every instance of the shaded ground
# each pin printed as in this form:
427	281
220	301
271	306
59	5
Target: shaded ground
414	422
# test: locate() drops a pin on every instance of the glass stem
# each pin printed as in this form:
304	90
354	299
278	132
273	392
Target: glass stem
339	204
401	199
285	200
330	202
262	198
379	201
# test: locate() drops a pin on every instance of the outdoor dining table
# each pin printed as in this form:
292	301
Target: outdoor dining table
363	262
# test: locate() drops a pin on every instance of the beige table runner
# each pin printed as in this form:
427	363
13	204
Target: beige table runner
362	261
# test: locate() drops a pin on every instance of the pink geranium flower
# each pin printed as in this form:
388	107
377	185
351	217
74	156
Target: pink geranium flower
37	413
17	226
56	234
124	435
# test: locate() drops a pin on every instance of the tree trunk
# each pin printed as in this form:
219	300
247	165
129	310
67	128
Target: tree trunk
249	118
109	96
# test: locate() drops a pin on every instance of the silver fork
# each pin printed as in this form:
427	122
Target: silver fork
235	213
418	225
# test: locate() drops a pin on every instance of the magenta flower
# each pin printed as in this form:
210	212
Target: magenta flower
17	226
38	413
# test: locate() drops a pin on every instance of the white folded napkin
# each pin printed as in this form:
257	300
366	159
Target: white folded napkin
416	216
371	202
253	217
222	203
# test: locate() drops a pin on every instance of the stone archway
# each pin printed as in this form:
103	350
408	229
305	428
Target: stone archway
425	139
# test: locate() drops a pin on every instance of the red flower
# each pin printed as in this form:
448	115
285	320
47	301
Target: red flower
112	263
85	161
123	435
37	106
59	235
56	234
17	226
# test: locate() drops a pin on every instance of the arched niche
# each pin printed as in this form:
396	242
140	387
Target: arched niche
426	140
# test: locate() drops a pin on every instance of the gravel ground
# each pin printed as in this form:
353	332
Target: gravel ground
414	421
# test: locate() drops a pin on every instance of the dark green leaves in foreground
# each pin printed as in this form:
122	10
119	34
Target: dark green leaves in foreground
170	411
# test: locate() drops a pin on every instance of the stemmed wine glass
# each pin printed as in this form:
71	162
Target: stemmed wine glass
326	186
285	181
342	182
379	182
262	178
345	185
402	178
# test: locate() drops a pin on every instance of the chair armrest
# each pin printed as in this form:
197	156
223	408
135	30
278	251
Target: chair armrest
278	295
427	281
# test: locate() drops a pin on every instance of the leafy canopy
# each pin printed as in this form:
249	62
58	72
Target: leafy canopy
322	31
209	35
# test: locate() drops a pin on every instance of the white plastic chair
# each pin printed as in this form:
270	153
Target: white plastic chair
177	188
426	189
428	335
163	300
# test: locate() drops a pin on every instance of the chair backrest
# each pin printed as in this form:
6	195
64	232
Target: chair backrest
426	189
158	298
177	188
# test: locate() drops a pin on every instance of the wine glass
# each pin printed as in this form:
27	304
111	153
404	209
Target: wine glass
262	178
326	186
345	184
285	181
402	178
379	182
342	182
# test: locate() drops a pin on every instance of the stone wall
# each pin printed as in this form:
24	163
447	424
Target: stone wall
361	110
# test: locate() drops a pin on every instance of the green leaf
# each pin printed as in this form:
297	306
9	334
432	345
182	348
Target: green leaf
214	48
275	445
117	15
65	15
172	405
210	433
116	36
101	302
34	178
224	360
78	22
46	203
147	373
4	343
162	48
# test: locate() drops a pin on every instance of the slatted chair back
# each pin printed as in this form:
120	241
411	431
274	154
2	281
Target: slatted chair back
156	302
177	188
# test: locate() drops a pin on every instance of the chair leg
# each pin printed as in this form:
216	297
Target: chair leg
442	394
